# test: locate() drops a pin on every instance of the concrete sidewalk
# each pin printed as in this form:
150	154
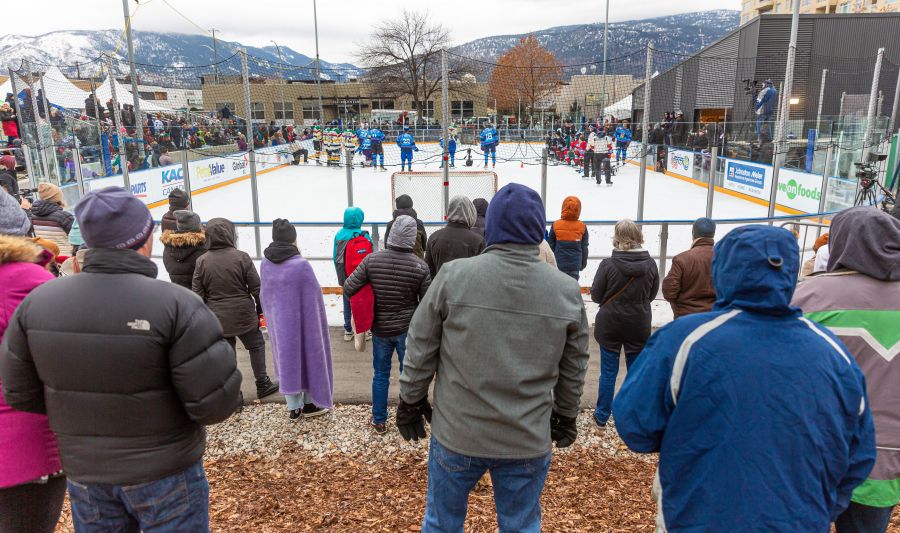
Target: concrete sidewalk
353	373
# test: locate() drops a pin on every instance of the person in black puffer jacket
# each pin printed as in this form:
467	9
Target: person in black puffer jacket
405	207
183	247
624	286
456	240
481	207
145	367
399	280
50	220
227	281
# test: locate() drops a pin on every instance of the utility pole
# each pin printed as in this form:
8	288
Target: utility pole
318	76
138	120
215	56
281	68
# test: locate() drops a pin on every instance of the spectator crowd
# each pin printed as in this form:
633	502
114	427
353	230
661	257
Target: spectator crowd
772	404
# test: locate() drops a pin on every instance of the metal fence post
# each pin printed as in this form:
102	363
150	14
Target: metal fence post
348	157
829	152
544	177
873	95
822	99
251	147
38	144
186	176
118	126
785	109
52	163
76	161
663	249
26	151
711	186
445	156
893	123
645	126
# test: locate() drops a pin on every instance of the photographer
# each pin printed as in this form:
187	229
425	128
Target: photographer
765	106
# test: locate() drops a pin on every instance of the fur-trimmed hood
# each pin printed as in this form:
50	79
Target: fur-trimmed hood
183	240
21	250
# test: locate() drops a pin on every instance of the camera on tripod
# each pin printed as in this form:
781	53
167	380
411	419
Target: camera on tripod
752	88
869	188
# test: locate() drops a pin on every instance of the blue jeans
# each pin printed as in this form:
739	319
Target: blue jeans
179	502
348	327
382	354
572	273
609	369
297	401
517	490
860	518
763	120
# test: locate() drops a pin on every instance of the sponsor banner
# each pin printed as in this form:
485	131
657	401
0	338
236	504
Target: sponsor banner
799	190
680	162
751	179
154	185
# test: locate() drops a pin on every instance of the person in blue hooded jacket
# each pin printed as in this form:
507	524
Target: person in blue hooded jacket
759	415
353	220
407	144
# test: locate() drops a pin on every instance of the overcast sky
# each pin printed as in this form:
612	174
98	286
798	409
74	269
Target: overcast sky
342	23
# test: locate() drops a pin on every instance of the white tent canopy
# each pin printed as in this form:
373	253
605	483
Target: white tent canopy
123	95
60	91
620	109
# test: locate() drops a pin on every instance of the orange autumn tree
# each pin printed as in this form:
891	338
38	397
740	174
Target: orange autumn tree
527	73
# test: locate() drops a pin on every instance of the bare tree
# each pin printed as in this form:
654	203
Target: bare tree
403	57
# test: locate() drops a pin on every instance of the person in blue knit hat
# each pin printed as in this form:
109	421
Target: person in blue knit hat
500	399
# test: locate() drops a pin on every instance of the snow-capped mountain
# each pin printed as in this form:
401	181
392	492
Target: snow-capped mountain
79	50
579	44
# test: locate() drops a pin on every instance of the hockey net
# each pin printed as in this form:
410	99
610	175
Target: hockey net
427	189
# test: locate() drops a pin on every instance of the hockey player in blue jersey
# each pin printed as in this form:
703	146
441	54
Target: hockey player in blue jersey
451	148
490	138
365	147
623	138
376	138
407	145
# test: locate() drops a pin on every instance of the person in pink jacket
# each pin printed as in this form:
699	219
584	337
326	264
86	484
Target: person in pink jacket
32	486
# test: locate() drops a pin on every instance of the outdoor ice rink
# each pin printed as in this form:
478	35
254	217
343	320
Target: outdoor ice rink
313	193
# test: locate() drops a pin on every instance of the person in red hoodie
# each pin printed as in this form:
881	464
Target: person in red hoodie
32	487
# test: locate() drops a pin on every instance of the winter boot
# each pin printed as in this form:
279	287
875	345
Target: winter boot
266	387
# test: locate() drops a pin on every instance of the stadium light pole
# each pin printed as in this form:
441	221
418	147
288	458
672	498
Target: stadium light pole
138	120
318	74
281	68
605	38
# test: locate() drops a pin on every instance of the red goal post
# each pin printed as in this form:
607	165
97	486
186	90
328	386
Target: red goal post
426	189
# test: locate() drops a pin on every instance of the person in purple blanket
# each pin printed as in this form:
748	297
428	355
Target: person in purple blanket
295	316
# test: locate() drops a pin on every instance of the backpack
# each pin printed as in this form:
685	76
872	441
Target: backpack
362	304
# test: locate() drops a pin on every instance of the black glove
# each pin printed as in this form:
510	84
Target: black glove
411	418
563	429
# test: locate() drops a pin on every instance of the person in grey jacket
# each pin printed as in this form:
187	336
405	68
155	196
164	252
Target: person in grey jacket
399	280
499	399
128	380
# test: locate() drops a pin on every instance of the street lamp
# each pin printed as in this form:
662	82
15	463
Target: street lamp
281	58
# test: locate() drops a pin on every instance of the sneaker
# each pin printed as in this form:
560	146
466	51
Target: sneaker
311	411
380	428
348	336
295	415
265	388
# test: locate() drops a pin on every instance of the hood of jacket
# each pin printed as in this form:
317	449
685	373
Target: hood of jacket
516	216
220	233
462	211
571	208
43	208
189	239
481	206
14	249
633	263
279	252
118	261
755	268
403	233
353	218
867	240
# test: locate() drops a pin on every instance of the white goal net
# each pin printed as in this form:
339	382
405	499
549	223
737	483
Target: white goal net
427	189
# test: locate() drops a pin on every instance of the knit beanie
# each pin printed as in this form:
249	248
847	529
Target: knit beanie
186	221
404	202
283	231
112	218
13	219
8	161
820	242
704	227
50	193
178	199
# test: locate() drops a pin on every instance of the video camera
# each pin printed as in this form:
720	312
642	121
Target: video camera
28	194
752	88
